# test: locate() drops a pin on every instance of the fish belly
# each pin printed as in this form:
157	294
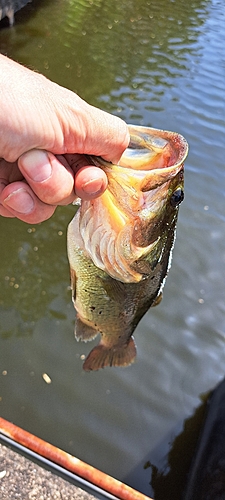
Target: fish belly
106	306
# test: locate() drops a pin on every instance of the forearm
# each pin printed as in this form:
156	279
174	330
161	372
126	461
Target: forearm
23	111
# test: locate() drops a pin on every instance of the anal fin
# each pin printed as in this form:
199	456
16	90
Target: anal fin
102	356
83	331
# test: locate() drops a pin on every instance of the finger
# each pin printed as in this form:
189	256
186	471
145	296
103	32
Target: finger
104	135
9	172
4	212
18	200
90	181
50	179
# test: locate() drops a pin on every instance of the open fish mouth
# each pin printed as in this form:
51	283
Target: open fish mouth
113	226
150	149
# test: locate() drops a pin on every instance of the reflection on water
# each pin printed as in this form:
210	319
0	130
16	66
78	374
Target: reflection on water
172	479
154	63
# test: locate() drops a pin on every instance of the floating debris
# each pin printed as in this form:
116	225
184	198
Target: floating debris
46	378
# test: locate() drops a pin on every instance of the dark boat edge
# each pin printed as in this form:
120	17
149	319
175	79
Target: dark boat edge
206	478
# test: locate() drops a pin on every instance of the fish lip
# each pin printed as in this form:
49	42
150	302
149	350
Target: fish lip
179	142
176	141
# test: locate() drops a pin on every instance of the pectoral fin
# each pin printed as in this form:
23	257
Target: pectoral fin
157	300
102	356
73	283
115	289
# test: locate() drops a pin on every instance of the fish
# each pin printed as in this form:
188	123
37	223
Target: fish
120	244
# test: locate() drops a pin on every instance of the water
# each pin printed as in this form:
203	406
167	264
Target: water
162	64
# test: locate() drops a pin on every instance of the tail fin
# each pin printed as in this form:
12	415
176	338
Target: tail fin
102	356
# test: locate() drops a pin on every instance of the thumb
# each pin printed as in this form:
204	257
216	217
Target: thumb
106	135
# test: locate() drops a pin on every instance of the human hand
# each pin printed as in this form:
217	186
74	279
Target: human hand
32	188
43	127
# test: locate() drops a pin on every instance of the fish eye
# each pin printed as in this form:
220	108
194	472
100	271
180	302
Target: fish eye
177	197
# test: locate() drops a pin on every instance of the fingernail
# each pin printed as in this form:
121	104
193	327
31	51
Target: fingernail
20	201
36	165
93	186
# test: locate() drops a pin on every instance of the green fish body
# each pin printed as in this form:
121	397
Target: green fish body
120	244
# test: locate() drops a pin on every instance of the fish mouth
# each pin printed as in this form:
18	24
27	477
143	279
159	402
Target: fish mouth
124	224
153	155
152	148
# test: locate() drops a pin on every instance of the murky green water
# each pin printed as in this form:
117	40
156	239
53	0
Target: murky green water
158	63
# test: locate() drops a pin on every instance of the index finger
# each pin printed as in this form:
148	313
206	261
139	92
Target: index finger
53	178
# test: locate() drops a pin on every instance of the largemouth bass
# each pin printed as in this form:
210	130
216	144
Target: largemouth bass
120	244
